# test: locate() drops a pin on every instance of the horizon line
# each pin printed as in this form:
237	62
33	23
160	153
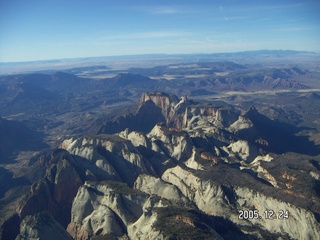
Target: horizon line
155	54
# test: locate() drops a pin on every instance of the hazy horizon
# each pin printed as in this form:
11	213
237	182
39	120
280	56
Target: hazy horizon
146	55
42	31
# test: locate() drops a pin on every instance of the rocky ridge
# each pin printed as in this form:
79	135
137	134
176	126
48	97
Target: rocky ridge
179	143
42	226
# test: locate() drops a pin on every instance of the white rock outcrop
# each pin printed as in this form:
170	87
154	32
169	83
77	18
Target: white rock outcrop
143	228
244	150
116	157
115	209
241	124
208	197
192	162
175	144
300	224
211	199
136	138
104	208
152	185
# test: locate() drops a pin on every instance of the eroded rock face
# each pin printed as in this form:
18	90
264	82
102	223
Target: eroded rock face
300	223
117	157
244	150
164	101
212	199
42	226
176	144
241	124
136	138
113	209
106	207
56	190
152	185
186	114
209	197
156	107
143	228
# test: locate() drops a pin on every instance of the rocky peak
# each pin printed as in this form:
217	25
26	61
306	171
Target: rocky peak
155	107
159	98
174	143
225	117
125	79
57	185
105	207
251	112
111	156
162	100
311	95
42	226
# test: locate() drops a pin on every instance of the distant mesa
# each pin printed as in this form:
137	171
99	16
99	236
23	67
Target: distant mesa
311	95
128	79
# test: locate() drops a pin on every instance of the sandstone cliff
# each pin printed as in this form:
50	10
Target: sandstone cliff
113	209
116	157
215	199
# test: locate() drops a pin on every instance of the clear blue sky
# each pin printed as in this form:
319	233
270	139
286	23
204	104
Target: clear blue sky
54	29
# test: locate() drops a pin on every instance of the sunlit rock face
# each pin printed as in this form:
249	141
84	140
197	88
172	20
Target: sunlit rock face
156	186
102	208
187	114
117	157
164	101
214	199
182	114
175	144
113	209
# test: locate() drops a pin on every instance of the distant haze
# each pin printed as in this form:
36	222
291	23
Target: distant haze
39	30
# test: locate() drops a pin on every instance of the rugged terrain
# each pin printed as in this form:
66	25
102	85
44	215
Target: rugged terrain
118	158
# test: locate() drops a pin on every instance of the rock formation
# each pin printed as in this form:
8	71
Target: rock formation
54	191
42	226
115	157
190	176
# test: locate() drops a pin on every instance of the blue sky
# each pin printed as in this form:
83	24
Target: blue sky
54	29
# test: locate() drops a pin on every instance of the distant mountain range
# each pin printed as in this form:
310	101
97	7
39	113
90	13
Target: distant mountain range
260	56
61	92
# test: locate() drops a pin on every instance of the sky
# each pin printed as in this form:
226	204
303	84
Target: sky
57	29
